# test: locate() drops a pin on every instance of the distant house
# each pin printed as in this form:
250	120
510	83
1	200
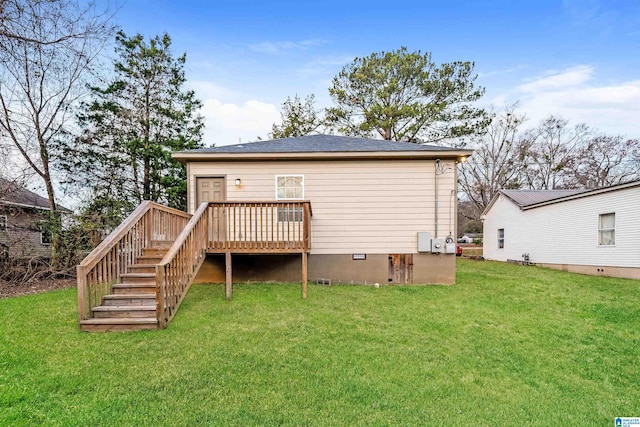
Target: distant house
591	232
23	214
467	238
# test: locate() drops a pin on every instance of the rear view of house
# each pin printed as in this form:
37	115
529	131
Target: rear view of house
590	232
329	209
368	201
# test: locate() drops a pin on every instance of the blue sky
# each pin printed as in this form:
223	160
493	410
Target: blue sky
575	58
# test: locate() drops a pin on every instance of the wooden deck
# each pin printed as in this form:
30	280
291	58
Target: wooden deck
138	276
259	227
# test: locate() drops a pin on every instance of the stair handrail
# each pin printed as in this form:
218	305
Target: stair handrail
178	267
112	257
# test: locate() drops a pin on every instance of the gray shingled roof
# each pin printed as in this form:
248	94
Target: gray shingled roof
320	144
525	198
11	193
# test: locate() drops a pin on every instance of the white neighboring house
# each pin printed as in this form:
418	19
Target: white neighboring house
584	231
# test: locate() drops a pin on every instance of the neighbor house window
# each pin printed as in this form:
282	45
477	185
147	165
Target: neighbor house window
45	234
289	187
607	229
3	222
500	238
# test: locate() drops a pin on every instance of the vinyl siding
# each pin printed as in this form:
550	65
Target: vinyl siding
367	206
21	236
567	232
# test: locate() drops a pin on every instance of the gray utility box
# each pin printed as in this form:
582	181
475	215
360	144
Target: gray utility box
450	248
437	246
424	241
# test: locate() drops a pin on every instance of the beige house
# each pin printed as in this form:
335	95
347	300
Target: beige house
329	209
368	199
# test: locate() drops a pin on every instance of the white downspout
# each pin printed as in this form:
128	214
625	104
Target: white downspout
438	167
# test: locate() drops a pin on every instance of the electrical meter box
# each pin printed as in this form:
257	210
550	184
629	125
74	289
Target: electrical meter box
450	248
437	246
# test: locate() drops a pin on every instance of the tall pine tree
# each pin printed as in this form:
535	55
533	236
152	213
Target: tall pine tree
130	127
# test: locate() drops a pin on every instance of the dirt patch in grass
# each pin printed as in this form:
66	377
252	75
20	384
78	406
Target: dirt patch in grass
12	289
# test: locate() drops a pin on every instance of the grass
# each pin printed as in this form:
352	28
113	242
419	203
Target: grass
508	345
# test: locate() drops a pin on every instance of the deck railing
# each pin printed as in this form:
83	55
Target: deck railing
111	258
218	227
257	227
176	271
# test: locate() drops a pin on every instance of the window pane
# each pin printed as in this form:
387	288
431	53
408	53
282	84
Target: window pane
290	193
607	229
607	221
608	238
289	187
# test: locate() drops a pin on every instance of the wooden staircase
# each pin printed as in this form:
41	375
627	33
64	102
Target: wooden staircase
132	304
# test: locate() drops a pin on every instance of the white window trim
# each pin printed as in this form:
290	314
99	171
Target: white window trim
600	230
500	238
4	222
288	175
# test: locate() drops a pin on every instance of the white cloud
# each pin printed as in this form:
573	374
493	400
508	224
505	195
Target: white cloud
283	46
578	96
570	77
519	67
207	89
325	65
228	123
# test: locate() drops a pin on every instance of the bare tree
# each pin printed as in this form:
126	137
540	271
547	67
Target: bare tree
603	161
496	162
549	152
46	48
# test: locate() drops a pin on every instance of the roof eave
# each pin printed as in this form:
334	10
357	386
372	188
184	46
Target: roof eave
185	156
584	194
61	209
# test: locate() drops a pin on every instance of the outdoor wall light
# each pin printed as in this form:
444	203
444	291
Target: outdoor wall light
238	182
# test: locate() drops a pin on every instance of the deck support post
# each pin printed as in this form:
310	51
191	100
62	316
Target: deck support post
228	274
304	275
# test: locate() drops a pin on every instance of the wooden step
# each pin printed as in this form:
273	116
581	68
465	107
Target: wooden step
142	268
129	278
146	299
149	259
157	252
119	324
134	288
162	244
111	312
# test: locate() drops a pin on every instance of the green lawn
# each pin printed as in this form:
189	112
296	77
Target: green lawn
508	345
